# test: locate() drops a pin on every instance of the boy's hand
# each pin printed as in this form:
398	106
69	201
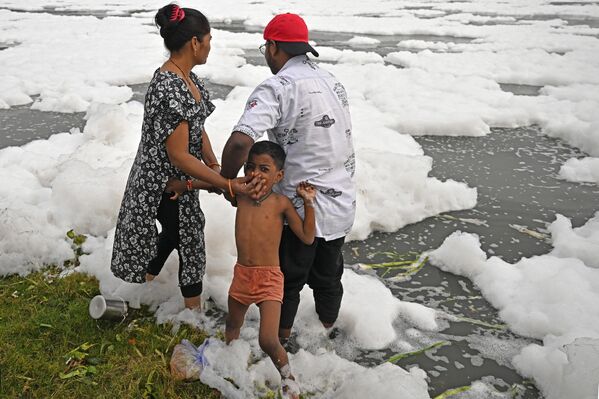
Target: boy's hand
306	191
175	186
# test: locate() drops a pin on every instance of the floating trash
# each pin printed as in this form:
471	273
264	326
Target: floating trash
526	230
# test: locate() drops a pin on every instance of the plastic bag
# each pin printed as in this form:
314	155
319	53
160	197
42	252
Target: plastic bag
188	361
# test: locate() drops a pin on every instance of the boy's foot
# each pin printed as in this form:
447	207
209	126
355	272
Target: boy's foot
290	389
333	332
209	306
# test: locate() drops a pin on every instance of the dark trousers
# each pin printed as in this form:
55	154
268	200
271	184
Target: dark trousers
321	266
168	240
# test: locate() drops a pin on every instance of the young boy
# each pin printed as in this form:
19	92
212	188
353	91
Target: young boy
257	276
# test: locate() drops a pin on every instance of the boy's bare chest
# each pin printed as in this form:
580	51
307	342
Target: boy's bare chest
259	214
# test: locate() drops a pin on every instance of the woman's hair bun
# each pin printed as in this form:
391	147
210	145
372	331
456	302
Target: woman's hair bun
165	21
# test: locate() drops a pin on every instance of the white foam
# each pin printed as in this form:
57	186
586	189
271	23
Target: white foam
581	242
551	297
422	44
363	41
75	179
348	56
324	375
453	93
581	170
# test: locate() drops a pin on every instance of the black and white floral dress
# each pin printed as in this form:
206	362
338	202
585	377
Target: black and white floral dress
168	102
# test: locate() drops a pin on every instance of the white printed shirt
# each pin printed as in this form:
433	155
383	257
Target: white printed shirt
305	110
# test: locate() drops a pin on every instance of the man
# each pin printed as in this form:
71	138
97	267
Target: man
304	109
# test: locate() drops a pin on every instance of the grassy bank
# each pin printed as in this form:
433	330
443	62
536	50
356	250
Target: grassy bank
51	348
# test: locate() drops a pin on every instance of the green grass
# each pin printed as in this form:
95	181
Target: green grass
51	348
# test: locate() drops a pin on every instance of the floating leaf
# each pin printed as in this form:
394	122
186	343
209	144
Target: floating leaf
453	391
399	356
526	230
477	222
79	239
408	267
496	326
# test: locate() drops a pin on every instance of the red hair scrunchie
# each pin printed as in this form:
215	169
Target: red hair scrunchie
177	14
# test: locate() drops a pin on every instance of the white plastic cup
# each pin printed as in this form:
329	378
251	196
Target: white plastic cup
107	309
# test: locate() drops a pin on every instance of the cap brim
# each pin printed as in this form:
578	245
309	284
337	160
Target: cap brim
297	48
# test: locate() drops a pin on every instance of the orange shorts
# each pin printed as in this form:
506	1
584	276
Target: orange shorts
255	284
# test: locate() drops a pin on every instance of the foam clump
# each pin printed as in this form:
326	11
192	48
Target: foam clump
584	170
323	375
580	242
551	297
363	41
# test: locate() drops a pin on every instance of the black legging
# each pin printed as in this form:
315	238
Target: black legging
168	240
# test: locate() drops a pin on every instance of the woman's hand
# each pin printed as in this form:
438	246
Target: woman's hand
251	185
175	186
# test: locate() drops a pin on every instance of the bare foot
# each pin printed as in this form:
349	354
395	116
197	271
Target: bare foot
290	388
193	303
149	277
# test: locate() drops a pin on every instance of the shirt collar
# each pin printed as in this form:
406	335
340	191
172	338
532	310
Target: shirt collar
293	61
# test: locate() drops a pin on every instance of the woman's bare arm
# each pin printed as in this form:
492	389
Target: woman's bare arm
177	148
208	154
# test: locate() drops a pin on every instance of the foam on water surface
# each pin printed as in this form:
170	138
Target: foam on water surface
455	90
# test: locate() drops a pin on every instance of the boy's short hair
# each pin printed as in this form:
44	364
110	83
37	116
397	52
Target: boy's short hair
270	148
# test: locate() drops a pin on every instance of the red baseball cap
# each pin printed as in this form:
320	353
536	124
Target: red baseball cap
291	34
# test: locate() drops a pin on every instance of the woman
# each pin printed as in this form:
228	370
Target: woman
173	143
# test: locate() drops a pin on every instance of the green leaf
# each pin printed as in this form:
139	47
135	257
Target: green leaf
399	356
453	391
79	239
496	326
75	373
80	352
91	370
